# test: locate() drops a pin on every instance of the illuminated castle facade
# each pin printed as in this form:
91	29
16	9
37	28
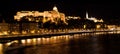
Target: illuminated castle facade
93	18
52	16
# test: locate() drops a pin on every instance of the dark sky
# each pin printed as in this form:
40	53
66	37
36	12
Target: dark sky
99	9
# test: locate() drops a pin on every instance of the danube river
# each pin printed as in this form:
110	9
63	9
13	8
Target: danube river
89	43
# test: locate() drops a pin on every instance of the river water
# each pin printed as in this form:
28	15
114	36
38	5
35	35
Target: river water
67	44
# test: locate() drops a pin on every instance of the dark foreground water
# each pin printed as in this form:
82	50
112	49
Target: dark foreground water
68	44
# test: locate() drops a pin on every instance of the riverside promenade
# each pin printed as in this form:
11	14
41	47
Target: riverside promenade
6	38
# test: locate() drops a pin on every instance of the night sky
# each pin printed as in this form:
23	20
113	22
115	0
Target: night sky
99	9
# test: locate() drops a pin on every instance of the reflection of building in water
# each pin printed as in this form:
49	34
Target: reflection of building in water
45	16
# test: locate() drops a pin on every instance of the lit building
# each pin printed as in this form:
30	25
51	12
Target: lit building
14	28
111	27
29	28
4	28
72	17
93	19
33	27
52	16
98	22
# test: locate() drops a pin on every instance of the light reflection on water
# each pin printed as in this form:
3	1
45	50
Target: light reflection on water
1	49
51	40
67	44
39	41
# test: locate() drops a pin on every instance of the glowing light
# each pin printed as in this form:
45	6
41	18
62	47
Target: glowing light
1	48
111	27
24	32
55	8
32	31
23	41
37	20
1	33
84	26
5	32
34	41
72	17
9	43
86	15
28	40
15	32
29	19
97	26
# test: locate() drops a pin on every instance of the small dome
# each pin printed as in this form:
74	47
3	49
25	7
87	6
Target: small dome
55	8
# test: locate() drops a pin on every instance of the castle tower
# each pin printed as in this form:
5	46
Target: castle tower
86	14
